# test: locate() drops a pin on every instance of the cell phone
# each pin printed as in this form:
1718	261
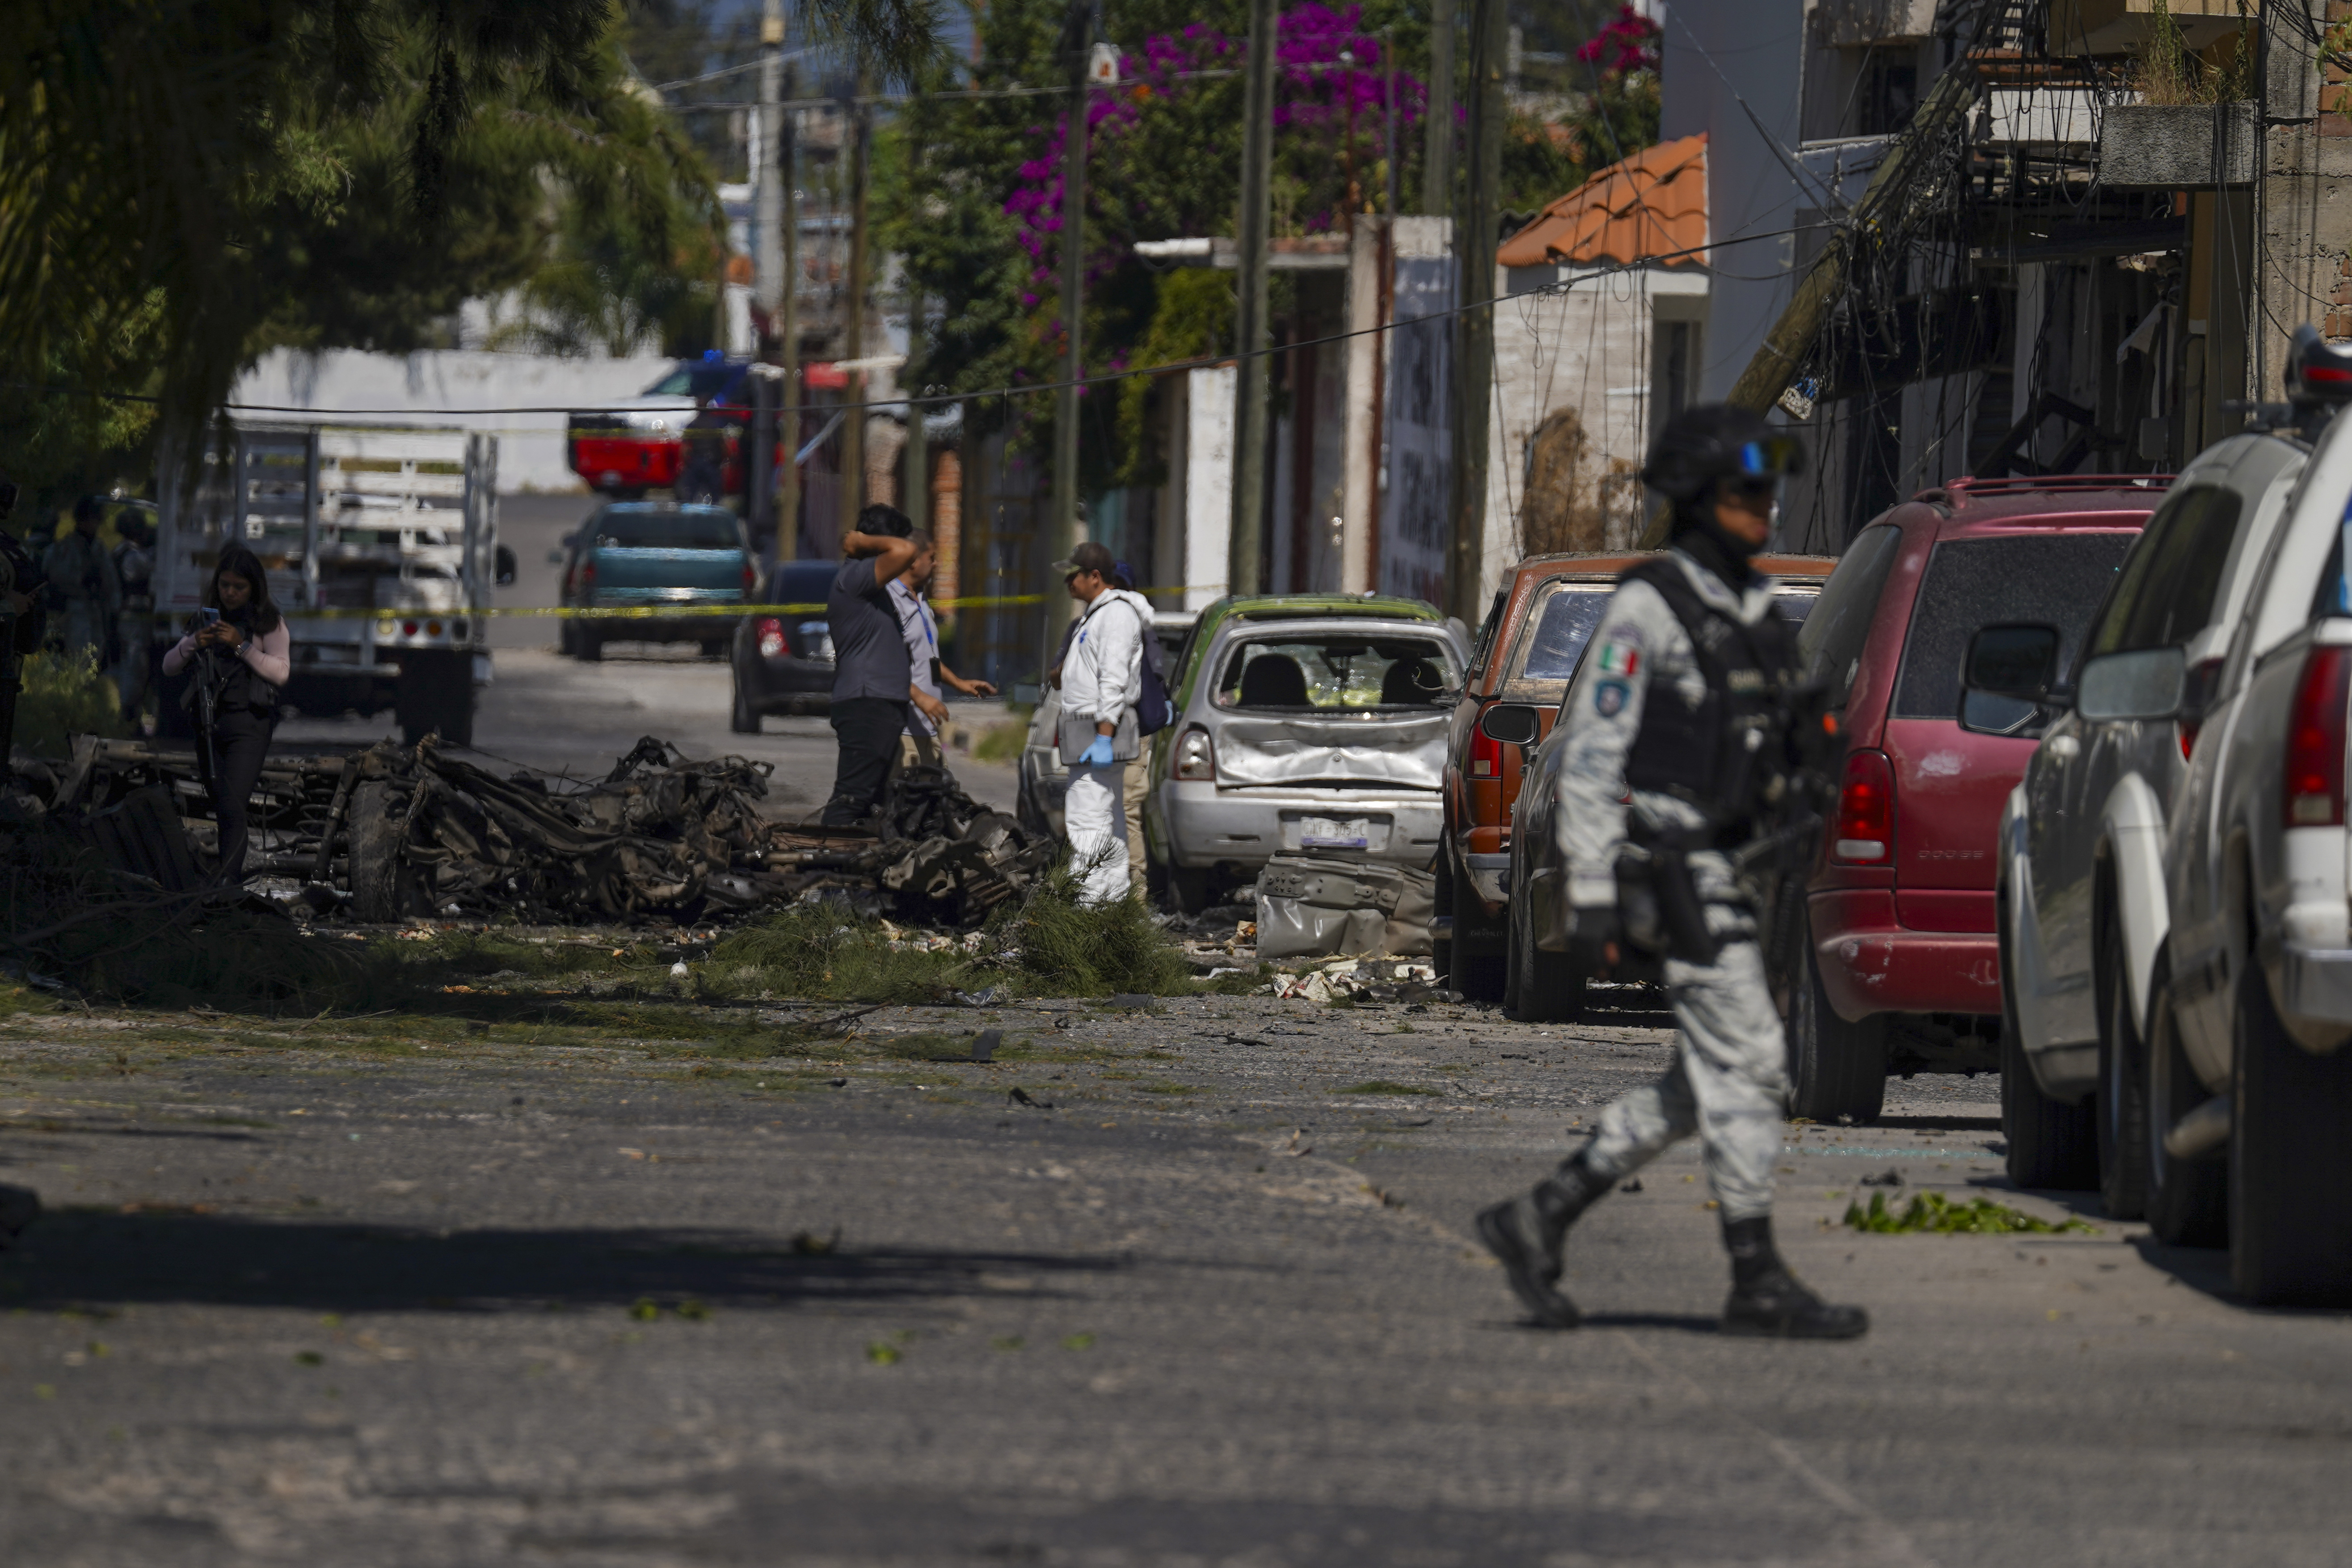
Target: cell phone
207	616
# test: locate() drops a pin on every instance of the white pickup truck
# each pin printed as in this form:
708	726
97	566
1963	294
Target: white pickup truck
2250	1000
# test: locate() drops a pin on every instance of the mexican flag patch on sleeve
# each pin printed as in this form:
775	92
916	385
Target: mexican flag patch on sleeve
1620	658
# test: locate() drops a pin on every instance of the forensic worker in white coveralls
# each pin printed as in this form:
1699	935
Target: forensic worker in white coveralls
1685	737
1102	680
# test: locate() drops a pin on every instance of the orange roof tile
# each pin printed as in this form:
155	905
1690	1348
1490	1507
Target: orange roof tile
1650	206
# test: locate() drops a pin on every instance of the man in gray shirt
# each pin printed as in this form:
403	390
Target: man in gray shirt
871	672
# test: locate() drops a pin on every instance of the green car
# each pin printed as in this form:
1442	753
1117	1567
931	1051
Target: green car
658	557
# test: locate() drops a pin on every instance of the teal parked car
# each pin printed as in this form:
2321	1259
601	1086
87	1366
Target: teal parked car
657	556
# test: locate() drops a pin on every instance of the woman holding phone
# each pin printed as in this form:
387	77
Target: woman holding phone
241	653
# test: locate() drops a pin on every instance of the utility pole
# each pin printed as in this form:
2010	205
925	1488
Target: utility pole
1474	358
1437	131
1252	395
770	282
787	319
767	195
853	335
1060	534
915	495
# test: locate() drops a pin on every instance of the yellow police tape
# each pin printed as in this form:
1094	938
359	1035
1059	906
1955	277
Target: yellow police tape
633	612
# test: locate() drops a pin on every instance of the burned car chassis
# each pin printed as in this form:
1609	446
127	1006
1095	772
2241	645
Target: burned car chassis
394	832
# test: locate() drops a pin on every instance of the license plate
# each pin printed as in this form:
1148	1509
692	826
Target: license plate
1327	833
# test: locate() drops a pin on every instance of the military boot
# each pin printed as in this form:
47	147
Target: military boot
1768	1301
1524	1234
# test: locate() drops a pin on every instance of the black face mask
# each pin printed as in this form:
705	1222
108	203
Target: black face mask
1703	540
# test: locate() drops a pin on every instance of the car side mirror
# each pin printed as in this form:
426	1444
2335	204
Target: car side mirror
2146	683
505	566
1512	723
2017	661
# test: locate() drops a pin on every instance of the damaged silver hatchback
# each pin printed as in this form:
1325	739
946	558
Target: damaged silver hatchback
1303	725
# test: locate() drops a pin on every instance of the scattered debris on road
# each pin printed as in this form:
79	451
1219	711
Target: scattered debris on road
1933	1212
395	831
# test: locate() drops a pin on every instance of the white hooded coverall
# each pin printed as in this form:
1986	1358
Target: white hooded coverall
1102	680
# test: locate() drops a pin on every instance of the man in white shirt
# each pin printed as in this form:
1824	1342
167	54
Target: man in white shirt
924	743
1102	680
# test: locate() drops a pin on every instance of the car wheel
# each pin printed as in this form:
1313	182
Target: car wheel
1479	976
1836	1069
567	638
1543	987
2187	1200
2290	1161
741	717
2122	1098
375	836
714	650
1189	887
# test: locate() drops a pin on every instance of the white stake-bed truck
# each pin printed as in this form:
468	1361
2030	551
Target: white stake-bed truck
381	546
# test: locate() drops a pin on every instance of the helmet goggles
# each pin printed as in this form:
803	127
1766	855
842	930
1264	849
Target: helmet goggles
1772	458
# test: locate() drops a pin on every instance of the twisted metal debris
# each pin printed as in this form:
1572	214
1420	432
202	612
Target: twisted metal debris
397	831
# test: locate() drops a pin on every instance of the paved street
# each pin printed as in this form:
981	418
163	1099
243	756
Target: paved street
312	1293
477	1289
566	716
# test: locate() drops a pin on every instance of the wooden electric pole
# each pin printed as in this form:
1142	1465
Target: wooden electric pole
1060	534
1253	333
788	336
1474	336
1437	130
853	335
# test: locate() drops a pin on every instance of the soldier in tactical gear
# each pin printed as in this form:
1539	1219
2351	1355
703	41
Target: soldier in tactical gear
1685	731
81	576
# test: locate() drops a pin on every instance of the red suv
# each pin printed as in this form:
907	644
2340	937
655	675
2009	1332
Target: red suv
1902	971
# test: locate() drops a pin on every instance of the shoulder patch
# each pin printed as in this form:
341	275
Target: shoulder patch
1610	697
1621	654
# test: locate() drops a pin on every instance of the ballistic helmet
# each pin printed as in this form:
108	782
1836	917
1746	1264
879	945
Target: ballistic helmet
1715	441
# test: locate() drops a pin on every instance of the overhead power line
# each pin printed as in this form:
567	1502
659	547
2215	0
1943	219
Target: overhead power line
948	399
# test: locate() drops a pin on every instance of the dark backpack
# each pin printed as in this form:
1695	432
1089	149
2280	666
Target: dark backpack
1153	711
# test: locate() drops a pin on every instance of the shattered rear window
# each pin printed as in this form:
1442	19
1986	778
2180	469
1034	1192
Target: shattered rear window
2056	579
1337	670
1568	616
685	527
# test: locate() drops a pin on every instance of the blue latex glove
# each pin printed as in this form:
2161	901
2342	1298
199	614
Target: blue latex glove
1097	756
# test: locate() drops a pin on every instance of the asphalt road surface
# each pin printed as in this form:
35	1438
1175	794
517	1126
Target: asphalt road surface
456	1298
566	716
406	1292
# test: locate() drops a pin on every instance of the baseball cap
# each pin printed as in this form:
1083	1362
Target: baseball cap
1087	557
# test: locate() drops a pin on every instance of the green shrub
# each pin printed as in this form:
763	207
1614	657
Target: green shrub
820	950
64	697
1056	946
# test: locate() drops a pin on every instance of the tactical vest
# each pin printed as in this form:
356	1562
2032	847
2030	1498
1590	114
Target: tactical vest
1724	753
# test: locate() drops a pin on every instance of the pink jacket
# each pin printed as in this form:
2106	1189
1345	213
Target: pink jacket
270	655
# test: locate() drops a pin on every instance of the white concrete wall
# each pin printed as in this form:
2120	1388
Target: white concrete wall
1208	482
424	388
1587	348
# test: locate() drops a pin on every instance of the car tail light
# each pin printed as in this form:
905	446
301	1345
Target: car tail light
1865	814
2201	678
750	580
771	638
2315	739
1196	757
587	576
1486	755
